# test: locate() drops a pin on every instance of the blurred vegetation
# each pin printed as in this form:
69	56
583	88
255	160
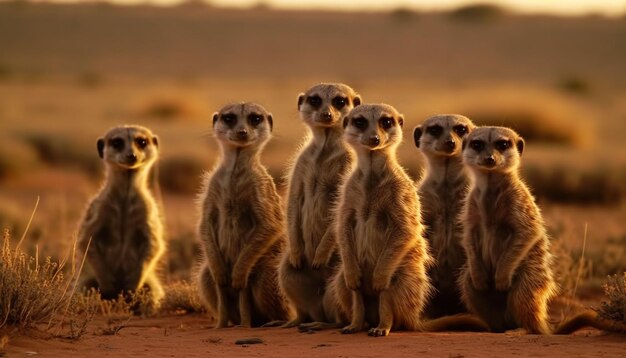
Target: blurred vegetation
615	307
478	13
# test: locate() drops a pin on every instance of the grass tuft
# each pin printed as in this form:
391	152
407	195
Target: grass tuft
478	13
182	297
615	307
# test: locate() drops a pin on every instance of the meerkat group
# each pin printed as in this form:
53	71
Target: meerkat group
356	244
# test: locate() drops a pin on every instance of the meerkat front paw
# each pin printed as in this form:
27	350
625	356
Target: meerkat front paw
295	260
319	261
353	279
380	282
239	280
503	281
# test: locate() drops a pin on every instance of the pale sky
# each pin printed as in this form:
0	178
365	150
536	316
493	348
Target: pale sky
563	7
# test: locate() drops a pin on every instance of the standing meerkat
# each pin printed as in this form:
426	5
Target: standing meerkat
121	229
442	192
313	189
242	225
382	277
507	280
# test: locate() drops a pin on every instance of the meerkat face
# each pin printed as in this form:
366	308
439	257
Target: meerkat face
373	127
326	104
128	147
243	124
442	135
493	149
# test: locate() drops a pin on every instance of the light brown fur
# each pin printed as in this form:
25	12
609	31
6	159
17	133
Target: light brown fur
313	189
507	280
122	227
382	278
242	225
442	191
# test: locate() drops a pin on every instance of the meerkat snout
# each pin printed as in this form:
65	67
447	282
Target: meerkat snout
373	126
242	124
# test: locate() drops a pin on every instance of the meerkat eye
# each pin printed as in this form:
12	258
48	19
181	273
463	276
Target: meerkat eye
141	142
434	131
117	143
314	101
255	119
229	119
386	122
360	123
339	102
477	145
460	130
503	145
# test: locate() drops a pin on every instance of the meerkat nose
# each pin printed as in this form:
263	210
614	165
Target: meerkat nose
132	158
374	140
326	116
490	161
242	133
450	144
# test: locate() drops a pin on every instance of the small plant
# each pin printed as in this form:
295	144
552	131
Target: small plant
574	85
33	292
478	13
614	308
182	297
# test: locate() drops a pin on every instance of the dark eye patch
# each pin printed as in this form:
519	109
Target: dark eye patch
503	145
434	130
386	122
360	123
117	143
460	130
229	119
314	101
141	142
255	119
340	102
477	145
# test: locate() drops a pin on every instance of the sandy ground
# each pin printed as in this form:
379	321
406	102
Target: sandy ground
193	336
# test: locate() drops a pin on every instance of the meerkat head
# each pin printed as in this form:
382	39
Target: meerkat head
373	127
326	104
128	147
243	125
496	149
442	135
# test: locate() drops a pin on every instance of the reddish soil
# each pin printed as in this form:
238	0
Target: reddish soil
193	336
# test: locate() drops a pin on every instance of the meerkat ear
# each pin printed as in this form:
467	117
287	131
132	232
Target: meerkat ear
300	100
417	135
520	145
401	121
345	122
215	116
101	147
155	141
271	121
356	101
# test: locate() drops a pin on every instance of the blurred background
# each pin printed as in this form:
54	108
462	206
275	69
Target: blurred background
552	70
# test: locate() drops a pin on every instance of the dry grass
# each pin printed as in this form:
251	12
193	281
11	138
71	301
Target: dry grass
33	292
615	306
182	297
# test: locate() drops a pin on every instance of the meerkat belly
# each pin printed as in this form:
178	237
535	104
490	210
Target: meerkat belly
316	213
237	227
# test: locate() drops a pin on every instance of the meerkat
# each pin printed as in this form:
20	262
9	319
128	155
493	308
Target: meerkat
242	224
122	231
507	279
313	189
442	191
382	279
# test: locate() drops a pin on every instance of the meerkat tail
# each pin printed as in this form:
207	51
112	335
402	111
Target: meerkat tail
462	322
589	319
